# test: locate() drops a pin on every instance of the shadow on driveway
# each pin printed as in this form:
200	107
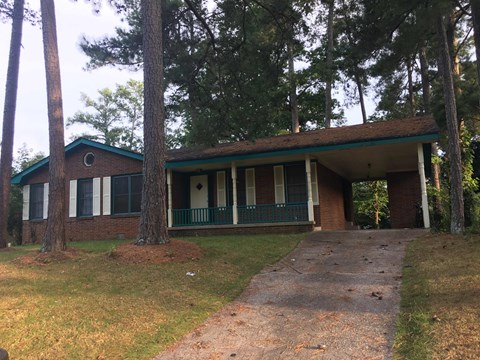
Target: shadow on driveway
336	296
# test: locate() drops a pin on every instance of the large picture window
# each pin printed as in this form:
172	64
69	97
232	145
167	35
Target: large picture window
296	183
85	197
36	201
127	194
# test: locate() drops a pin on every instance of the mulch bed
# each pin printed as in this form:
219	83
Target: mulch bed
176	251
39	258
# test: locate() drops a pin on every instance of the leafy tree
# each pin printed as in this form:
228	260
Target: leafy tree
371	204
9	117
116	117
55	233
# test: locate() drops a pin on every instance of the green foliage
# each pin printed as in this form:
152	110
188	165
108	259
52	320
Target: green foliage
116	117
370	199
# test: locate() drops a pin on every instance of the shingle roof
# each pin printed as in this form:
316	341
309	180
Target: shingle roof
392	129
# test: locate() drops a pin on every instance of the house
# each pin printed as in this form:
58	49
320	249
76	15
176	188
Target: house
287	183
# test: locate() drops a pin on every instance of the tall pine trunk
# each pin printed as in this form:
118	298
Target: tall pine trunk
329	65
457	223
55	234
9	117
358	82
293	89
153	217
411	92
475	8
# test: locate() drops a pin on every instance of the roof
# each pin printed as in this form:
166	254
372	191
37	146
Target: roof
415	129
17	179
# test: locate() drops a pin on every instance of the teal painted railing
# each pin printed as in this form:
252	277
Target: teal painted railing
203	216
268	213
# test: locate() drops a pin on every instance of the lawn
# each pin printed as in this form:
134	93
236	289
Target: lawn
95	307
440	308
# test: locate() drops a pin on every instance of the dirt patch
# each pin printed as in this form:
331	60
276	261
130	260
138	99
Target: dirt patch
176	251
39	258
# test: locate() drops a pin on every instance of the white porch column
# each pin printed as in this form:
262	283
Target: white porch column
234	194
308	169
169	189
423	187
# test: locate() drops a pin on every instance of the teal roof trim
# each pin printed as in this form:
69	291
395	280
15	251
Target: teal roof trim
17	179
417	139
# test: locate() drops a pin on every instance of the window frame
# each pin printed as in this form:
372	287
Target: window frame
287	184
129	194
80	213
41	188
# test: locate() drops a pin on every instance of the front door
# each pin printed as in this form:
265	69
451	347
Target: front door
199	198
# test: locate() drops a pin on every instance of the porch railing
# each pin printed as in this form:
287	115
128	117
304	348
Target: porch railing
203	216
268	213
247	214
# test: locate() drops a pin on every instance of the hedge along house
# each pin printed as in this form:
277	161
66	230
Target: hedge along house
293	182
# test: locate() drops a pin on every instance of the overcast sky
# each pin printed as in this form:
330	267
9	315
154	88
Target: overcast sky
73	20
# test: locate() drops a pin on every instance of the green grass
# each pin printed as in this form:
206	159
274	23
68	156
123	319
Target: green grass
439	306
95	307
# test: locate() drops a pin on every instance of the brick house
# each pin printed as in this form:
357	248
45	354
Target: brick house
284	183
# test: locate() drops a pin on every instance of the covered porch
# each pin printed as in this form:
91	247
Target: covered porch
264	184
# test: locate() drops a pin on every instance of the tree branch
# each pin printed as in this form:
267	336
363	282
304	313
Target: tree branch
202	21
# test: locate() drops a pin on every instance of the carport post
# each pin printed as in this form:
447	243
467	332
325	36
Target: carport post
169	189
234	194
308	169
423	187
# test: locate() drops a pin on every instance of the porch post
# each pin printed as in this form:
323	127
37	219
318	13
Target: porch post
234	194
423	187
308	169
169	205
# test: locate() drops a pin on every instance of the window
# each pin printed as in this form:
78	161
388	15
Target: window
89	159
221	189
127	194
296	183
36	201
85	197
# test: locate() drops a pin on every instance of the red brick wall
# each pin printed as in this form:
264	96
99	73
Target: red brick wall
98	227
404	194
330	193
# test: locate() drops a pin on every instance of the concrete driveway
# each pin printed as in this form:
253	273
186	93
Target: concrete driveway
336	296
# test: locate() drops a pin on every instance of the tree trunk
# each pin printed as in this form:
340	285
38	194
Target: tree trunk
293	89
55	234
153	217
411	93
9	117
425	80
358	81
329	66
475	8
457	224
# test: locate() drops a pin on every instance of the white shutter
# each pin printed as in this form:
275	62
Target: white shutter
72	212
313	167
96	197
221	189
45	201
26	202
106	195
250	186
279	184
